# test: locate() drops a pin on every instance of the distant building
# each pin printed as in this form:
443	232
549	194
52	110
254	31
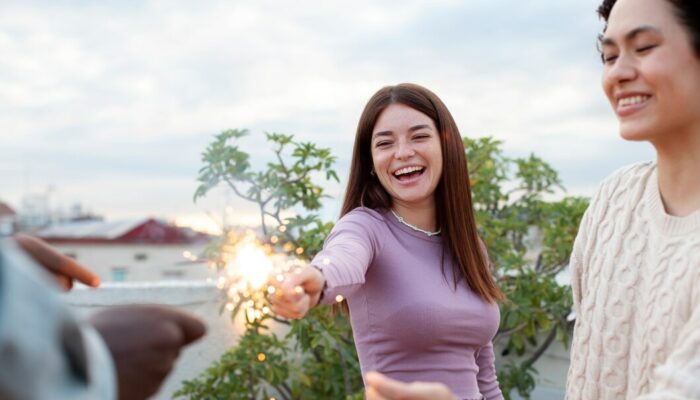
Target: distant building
143	249
8	220
35	211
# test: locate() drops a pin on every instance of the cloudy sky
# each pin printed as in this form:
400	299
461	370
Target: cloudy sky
110	103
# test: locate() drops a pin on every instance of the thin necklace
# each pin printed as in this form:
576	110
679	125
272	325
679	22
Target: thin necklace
415	228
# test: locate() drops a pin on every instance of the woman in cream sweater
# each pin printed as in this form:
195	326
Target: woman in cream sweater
636	260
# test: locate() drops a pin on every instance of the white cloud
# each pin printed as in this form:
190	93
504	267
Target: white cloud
102	99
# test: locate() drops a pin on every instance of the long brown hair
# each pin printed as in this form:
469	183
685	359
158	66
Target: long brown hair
454	211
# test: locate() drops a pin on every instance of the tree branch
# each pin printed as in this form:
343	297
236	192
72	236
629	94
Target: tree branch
512	330
285	391
543	347
232	185
278	153
262	218
297	179
288	235
281	321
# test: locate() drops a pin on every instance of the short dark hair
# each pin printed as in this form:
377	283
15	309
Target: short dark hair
687	12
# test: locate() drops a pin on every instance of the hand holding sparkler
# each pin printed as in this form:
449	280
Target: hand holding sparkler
297	292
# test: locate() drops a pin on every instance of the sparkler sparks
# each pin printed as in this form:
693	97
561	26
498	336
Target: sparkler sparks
252	271
251	264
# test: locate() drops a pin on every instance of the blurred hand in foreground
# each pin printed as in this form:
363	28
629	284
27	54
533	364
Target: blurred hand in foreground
145	341
63	268
379	387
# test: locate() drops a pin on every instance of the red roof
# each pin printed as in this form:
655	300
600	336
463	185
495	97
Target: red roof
6	210
140	231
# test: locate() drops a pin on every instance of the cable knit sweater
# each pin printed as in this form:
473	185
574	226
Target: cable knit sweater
636	285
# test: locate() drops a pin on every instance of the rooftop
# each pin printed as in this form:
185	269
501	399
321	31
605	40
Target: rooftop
6	210
141	230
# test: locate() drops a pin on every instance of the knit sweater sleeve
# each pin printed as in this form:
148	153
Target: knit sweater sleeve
348	253
578	264
486	378
599	202
576	261
576	267
677	377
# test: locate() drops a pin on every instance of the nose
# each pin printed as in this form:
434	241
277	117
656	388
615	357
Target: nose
404	150
622	70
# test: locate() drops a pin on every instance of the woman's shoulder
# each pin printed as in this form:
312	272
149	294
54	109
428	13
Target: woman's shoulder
628	172
626	178
615	190
362	222
365	216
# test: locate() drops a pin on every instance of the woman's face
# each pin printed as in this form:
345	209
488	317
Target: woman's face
651	74
406	155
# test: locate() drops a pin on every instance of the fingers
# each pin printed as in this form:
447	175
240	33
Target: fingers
296	292
372	394
68	267
291	309
386	388
185	328
191	326
299	283
292	288
63	281
56	262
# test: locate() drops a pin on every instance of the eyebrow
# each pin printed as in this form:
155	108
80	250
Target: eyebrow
607	41
411	129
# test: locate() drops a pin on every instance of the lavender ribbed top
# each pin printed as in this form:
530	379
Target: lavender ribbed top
409	321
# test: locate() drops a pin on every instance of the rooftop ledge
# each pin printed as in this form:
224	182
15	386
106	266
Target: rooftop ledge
173	293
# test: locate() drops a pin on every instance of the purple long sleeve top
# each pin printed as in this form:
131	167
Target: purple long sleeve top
409	321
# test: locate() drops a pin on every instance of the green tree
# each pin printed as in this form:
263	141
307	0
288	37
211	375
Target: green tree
529	240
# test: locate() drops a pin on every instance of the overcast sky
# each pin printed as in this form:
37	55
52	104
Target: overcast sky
111	103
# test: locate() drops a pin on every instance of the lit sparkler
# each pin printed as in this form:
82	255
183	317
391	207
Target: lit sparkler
251	271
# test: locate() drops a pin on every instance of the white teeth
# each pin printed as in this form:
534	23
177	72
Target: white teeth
407	170
628	101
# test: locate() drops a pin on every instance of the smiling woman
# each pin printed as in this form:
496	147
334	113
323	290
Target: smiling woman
635	264
405	253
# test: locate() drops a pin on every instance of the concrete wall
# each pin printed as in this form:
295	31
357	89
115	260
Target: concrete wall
139	262
552	368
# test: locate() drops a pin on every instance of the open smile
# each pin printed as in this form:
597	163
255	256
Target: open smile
408	174
630	104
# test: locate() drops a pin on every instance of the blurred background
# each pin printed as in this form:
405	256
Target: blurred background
105	107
